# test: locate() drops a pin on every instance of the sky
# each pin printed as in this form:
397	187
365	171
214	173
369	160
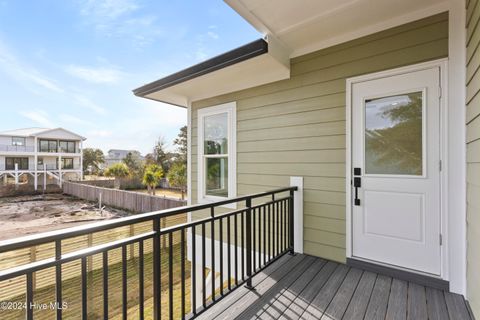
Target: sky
74	63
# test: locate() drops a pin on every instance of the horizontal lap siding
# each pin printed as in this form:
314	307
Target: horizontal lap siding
473	154
296	127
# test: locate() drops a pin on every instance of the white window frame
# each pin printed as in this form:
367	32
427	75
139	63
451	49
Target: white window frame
230	109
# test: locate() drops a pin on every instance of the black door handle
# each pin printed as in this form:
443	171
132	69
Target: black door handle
357	183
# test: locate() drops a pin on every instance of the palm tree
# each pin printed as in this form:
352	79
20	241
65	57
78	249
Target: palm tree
117	170
151	177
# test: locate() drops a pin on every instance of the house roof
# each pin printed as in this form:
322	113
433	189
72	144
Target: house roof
34	132
291	29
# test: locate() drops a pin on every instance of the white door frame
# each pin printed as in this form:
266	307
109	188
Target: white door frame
443	65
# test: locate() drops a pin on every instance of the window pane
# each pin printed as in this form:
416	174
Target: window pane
43	146
17	141
393	135
216	177
215	134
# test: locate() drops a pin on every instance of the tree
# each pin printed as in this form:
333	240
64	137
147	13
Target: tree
151	177
181	143
177	176
161	155
134	163
92	159
117	170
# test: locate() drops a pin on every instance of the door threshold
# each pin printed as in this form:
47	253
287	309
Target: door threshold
417	278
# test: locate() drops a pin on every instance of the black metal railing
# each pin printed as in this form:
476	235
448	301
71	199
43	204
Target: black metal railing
233	245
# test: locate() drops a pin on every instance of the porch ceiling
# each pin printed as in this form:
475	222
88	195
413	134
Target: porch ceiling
304	26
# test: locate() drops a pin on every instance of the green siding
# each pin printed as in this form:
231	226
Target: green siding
473	155
296	127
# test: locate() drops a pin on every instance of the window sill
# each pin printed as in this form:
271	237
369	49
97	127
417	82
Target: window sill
212	199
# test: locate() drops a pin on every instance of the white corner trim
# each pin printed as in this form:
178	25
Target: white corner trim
297	214
231	109
189	158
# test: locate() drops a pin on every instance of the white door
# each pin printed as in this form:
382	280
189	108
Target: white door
396	170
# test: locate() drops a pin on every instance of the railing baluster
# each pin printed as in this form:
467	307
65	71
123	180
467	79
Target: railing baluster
249	243
243	244
259	253
182	271
124	283
204	298
280	212
290	210
194	272
141	279
235	235
29	297
212	241
221	254
105	284
277	252
264	235
229	257
170	274
58	279
285	223
254	247
84	288
269	232
157	310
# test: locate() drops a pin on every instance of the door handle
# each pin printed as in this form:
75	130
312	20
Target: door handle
357	183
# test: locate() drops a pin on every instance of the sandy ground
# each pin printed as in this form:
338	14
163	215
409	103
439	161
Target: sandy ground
24	215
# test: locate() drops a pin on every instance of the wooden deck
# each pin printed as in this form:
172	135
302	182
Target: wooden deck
304	287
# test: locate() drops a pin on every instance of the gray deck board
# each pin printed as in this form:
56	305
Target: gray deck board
436	305
377	307
320	303
304	287
278	307
256	308
302	301
340	301
417	302
397	302
456	306
358	305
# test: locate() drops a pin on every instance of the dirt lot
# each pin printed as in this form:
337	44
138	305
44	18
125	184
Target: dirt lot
25	215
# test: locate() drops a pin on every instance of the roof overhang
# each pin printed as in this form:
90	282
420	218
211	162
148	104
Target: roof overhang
305	26
254	64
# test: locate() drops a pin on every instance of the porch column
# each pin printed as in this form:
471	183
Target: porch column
297	214
60	171
44	177
16	175
81	160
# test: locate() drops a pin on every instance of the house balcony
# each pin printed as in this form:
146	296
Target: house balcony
6	148
139	267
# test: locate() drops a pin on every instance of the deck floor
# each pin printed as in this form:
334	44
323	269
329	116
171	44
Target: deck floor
304	287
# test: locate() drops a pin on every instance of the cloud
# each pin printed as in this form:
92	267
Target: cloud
24	73
74	120
100	133
108	9
213	35
40	117
87	103
95	75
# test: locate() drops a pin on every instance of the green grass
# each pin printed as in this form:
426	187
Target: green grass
71	291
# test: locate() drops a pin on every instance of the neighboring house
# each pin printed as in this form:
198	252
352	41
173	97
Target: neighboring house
117	156
371	108
40	155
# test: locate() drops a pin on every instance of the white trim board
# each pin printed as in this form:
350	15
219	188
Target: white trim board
453	235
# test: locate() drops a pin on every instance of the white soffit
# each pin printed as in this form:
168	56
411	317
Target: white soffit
305	26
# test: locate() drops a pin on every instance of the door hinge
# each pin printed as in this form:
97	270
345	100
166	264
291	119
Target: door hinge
440	239
440	165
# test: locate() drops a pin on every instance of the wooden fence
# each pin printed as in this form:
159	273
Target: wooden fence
127	200
132	201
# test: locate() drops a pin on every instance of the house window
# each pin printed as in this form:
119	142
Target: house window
67	146
48	146
18	141
21	162
67	163
216	152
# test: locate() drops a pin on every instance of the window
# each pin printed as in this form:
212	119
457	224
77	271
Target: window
21	162
67	163
48	146
67	146
216	152
18	141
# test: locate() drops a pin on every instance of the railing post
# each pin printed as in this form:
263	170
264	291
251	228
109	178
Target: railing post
290	222
248	227
157	315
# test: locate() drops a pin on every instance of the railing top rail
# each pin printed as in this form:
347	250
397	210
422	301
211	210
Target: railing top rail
51	236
